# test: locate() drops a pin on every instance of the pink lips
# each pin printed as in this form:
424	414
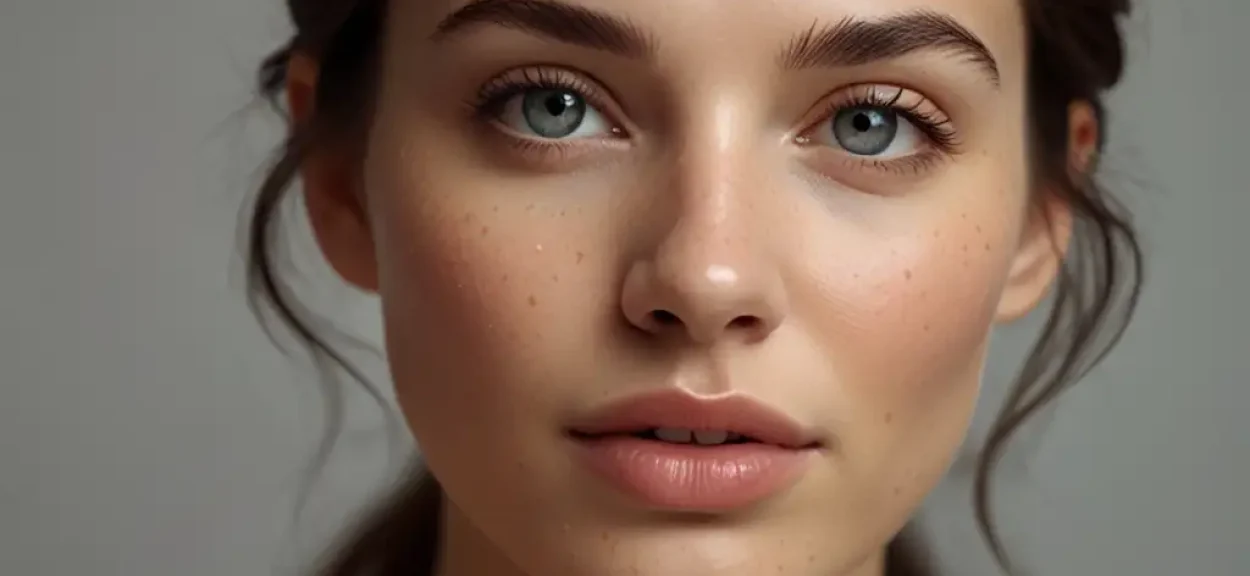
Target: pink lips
770	454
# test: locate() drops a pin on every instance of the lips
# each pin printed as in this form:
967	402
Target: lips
674	451
682	418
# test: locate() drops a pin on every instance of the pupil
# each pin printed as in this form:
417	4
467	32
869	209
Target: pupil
862	122
553	113
865	130
558	103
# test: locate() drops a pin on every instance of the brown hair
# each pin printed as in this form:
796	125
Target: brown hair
1075	54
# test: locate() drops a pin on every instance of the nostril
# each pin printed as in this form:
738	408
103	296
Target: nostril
665	318
746	323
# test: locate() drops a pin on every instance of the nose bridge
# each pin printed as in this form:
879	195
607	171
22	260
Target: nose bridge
711	274
714	240
716	182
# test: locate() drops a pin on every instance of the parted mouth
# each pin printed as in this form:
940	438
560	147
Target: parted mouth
676	417
679	436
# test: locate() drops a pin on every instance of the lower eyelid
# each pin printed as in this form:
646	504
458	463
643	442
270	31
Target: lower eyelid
549	154
495	116
884	178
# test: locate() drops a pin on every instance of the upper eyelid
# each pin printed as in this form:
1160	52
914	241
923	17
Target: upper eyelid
539	75
596	93
903	97
922	111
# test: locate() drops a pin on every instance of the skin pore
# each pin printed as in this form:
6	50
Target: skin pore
831	218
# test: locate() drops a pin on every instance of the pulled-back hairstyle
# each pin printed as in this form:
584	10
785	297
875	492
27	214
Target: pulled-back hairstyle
1075	54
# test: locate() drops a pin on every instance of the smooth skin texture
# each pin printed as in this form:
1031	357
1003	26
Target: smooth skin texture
518	274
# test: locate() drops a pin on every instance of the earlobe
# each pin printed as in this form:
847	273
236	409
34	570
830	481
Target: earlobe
1083	139
1048	229
301	87
330	186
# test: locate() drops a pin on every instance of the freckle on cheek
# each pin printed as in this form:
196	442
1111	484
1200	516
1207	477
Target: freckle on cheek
533	300
580	257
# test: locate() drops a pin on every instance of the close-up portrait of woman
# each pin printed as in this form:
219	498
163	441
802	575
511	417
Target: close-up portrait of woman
696	288
624	288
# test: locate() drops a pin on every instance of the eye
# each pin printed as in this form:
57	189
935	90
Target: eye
553	114
878	132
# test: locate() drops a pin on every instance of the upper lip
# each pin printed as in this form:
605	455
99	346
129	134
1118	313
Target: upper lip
677	409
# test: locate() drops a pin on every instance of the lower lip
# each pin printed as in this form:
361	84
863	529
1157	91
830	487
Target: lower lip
692	477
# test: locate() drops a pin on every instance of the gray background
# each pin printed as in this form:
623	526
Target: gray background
147	426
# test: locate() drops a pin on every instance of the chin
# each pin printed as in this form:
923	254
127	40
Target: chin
667	550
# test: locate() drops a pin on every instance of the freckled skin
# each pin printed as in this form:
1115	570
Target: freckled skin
516	290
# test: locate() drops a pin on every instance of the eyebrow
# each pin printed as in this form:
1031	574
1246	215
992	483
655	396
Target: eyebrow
849	42
553	19
852	42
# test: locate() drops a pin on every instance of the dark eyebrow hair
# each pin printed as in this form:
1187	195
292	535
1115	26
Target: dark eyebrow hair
852	42
553	19
849	42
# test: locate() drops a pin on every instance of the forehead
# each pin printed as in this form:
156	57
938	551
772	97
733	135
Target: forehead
723	26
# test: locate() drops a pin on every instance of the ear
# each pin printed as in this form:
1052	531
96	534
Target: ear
1047	231
331	185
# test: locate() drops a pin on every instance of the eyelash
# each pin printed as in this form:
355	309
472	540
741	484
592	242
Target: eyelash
934	124
490	98
936	127
488	103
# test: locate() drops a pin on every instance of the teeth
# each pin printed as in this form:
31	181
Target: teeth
701	437
711	437
674	435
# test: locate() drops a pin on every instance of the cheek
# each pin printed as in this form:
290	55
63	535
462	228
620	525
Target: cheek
910	313
904	319
901	305
478	278
923	305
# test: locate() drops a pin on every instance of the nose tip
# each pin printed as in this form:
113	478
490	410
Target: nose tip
707	308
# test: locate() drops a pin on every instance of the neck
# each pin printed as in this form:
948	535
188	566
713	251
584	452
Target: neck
465	551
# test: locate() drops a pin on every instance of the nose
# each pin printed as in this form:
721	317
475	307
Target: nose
707	281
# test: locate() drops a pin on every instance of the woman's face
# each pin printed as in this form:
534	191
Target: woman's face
819	207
